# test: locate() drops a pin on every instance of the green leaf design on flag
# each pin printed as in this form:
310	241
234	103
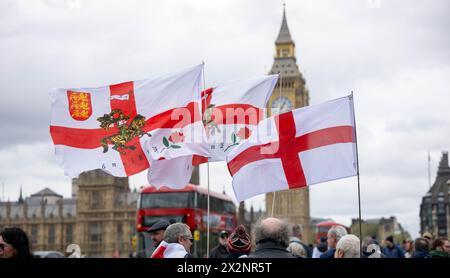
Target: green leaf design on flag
175	146
165	141
233	138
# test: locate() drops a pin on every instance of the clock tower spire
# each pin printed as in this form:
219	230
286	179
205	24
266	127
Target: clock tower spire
289	93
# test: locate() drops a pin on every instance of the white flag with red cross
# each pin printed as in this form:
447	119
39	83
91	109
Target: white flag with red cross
169	250
230	114
302	147
119	128
232	111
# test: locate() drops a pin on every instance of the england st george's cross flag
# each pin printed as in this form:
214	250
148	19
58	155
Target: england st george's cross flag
302	147
230	113
120	128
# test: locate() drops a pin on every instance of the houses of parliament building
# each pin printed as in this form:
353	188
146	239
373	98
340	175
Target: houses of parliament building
101	213
99	217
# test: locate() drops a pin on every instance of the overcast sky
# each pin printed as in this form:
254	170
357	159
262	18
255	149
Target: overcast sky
394	55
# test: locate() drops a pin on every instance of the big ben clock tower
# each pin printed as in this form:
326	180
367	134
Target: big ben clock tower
289	93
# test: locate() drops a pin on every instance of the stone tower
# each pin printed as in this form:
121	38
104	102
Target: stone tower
105	213
435	206
290	92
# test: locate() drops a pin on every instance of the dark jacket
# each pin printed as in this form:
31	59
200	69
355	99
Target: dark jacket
394	252
421	254
236	255
270	249
219	252
439	254
329	254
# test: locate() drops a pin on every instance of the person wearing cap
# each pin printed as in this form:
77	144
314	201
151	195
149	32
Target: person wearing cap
429	238
392	250
239	243
220	251
320	248
157	231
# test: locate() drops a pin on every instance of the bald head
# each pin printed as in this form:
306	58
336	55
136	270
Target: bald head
271	224
272	229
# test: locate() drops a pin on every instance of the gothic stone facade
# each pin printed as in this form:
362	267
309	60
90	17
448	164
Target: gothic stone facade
100	216
435	207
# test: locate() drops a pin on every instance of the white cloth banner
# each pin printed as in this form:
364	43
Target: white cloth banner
231	112
119	128
302	147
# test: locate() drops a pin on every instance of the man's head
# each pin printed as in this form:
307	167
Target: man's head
347	247
297	249
441	244
421	245
157	231
272	229
389	241
223	238
335	233
297	230
179	233
408	245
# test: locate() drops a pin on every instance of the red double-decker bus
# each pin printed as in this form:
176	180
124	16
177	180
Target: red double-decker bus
323	227
187	205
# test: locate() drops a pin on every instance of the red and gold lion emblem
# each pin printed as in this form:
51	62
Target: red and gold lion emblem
80	106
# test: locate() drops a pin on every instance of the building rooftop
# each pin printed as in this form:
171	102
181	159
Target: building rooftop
439	192
284	36
46	192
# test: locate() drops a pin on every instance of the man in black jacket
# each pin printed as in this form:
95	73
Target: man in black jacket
220	251
272	239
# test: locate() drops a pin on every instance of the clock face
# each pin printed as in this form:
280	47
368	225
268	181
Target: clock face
281	105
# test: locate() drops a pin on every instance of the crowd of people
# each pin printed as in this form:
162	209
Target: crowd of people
272	238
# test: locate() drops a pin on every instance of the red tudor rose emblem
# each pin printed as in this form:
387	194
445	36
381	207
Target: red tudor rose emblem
244	133
80	107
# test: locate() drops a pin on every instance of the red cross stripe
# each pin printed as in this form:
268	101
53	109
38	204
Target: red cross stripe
288	147
229	114
234	113
134	161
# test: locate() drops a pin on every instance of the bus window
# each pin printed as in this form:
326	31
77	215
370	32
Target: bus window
230	207
167	200
150	220
202	201
324	229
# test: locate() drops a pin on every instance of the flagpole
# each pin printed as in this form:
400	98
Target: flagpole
207	176
359	186
207	228
279	112
429	169
273	202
